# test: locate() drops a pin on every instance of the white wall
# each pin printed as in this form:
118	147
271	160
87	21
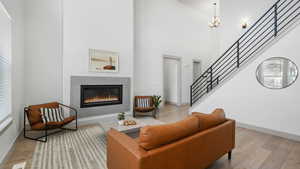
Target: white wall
8	136
43	48
96	24
168	27
231	27
246	101
171	80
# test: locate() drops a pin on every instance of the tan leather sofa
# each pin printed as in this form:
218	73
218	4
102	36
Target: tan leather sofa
193	143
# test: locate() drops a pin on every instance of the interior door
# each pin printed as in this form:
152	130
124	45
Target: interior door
196	69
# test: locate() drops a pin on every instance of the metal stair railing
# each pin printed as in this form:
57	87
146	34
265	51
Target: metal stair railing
266	28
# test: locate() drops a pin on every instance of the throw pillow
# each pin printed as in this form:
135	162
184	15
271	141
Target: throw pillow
52	114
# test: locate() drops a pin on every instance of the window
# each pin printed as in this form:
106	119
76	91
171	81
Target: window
5	68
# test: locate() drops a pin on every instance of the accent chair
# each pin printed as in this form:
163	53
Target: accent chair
38	123
143	105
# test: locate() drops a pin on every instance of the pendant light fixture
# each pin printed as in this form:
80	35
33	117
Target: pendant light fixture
215	20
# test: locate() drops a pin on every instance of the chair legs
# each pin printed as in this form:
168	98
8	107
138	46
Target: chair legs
229	155
71	129
42	138
134	114
153	114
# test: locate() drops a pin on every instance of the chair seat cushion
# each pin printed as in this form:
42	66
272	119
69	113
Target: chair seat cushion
144	109
53	125
152	137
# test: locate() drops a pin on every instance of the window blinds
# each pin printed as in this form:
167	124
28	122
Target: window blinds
4	88
5	66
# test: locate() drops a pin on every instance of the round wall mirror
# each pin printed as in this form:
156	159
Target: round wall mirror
277	73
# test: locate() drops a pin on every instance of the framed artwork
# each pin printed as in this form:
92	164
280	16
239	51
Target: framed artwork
103	61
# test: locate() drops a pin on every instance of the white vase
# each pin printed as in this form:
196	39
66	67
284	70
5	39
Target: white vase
121	122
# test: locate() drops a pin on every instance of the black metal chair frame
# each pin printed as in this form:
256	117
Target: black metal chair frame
153	113
44	137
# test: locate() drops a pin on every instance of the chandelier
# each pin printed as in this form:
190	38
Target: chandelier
215	20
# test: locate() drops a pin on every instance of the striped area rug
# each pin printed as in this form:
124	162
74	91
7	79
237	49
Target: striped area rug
83	149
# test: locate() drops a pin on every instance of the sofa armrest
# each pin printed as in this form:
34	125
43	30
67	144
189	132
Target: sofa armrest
232	124
123	152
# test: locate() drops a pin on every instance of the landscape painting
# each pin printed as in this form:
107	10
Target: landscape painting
103	61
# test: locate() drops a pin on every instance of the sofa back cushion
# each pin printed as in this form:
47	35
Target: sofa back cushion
207	121
152	137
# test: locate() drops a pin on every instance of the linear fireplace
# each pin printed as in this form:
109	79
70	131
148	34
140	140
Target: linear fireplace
100	95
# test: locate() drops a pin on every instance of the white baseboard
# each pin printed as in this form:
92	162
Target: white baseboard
269	131
176	104
171	103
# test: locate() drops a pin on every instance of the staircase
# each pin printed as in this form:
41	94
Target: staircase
266	29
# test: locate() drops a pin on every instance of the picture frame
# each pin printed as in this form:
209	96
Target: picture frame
103	61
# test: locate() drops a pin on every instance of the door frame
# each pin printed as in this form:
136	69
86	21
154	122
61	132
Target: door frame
198	61
179	77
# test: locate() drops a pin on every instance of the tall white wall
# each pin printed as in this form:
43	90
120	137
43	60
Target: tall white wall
168	27
96	24
244	99
43	48
41	71
8	136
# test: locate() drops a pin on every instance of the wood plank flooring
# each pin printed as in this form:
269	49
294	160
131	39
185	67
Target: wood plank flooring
254	150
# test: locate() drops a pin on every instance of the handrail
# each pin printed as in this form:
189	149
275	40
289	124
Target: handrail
266	28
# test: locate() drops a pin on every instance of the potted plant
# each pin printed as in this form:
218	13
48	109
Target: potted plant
156	102
121	118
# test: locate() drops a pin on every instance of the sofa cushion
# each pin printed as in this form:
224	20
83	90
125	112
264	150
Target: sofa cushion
207	121
152	137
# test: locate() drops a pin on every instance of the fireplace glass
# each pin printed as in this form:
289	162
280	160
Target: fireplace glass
100	95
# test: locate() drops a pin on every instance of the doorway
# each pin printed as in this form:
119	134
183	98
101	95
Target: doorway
196	69
172	79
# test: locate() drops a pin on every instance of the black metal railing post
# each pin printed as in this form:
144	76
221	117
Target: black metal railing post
191	95
211	78
275	20
207	88
238	54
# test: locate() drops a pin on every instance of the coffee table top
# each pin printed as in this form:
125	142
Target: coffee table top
141	122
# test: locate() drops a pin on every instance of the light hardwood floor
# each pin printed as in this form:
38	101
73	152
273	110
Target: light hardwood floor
254	150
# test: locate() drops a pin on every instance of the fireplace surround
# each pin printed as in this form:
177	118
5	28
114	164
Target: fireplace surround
100	95
100	107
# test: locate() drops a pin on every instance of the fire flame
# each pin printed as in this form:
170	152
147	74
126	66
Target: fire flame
101	99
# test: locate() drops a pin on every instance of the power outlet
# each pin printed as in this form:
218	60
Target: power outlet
19	165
